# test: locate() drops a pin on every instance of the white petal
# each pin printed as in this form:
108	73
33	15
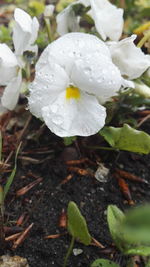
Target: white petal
67	21
96	74
24	32
11	92
65	50
49	10
34	30
108	19
8	64
83	117
48	83
131	61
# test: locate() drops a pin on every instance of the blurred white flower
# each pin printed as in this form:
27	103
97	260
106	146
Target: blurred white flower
24	35
25	32
73	74
107	17
130	59
67	21
49	10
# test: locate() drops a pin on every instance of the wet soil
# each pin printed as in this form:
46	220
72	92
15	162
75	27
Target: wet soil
43	204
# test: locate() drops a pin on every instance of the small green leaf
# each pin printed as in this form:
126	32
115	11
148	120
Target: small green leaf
12	175
104	263
137	225
69	140
77	226
141	251
115	218
127	138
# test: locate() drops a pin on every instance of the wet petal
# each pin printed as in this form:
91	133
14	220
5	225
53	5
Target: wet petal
8	64
131	61
83	117
108	19
70	47
48	83
11	92
96	74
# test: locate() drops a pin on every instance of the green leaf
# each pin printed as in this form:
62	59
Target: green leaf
141	251
127	138
104	263
137	225
69	140
115	218
77	226
12	175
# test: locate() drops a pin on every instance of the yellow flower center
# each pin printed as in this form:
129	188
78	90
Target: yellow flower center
72	92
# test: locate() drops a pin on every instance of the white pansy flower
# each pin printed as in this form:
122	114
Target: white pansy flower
73	74
107	17
25	32
24	35
49	10
130	59
10	77
67	21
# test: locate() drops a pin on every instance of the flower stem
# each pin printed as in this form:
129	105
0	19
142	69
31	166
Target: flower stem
69	251
144	39
48	27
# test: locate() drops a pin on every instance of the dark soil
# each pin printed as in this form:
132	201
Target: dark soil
43	204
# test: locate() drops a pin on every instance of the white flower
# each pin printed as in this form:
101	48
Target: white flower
67	21
25	32
108	18
49	10
24	35
10	76
72	73
131	61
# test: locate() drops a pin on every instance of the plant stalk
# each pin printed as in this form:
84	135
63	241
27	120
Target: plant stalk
144	39
48	27
69	251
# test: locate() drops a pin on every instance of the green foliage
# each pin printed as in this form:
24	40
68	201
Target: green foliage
36	8
5	35
12	175
69	140
130	231
127	138
114	218
77	226
104	263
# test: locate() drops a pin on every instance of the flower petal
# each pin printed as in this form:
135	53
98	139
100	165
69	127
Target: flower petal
70	47
96	74
83	117
108	19
131	61
48	83
8	64
11	92
67	21
24	32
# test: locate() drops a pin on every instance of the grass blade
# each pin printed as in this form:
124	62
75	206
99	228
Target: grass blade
12	175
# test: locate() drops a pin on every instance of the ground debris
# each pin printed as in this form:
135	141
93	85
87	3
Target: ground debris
15	261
